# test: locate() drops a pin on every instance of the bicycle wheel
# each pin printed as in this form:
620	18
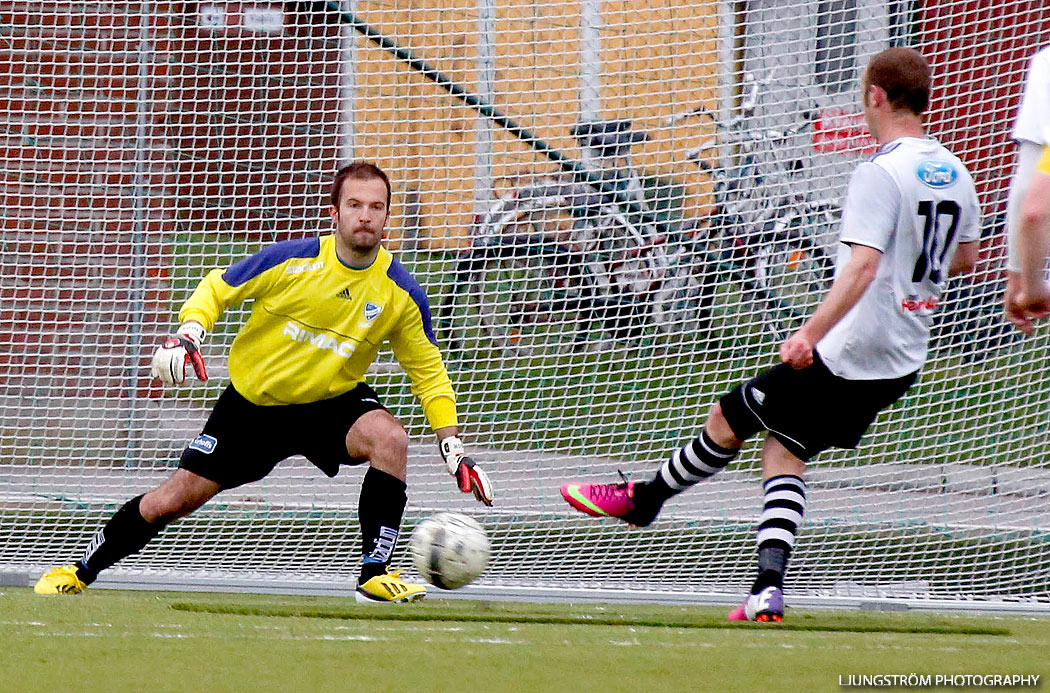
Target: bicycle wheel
681	302
542	210
794	268
602	262
516	299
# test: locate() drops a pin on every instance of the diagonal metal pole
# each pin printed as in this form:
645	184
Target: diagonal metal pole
579	173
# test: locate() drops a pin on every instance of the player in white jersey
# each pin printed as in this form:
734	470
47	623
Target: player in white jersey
910	219
1028	207
913	202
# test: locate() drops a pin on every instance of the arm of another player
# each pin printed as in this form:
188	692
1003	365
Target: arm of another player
1027	233
1033	244
1026	292
846	290
965	258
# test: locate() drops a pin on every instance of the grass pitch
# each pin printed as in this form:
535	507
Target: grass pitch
106	640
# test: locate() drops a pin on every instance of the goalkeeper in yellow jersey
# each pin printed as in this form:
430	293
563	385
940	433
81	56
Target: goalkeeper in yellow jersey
322	309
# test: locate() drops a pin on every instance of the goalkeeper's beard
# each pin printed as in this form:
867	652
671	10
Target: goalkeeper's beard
364	240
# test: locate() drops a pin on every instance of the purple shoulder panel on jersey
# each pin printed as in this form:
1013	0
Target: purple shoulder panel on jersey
269	257
885	149
400	276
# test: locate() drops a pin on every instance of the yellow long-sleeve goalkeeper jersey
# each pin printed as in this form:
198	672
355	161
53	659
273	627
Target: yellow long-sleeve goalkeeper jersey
316	325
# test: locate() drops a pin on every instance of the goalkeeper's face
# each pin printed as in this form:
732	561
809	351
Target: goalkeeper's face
360	218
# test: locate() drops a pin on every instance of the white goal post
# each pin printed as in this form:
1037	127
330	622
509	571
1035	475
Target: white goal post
595	287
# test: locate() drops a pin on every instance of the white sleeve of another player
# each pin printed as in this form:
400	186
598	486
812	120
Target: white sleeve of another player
869	214
1033	116
970	223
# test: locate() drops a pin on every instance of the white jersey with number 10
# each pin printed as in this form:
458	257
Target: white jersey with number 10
914	201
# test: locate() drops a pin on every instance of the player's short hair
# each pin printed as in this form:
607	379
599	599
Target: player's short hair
904	74
360	170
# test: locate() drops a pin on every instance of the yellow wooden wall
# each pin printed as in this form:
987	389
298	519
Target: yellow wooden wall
658	57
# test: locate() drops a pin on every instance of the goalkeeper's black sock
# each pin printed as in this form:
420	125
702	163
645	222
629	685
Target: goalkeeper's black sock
127	532
782	513
697	460
380	509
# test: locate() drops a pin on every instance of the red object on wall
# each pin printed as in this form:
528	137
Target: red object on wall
838	130
987	56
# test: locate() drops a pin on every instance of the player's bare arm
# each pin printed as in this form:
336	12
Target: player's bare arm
965	258
845	291
1033	243
1028	206
1026	298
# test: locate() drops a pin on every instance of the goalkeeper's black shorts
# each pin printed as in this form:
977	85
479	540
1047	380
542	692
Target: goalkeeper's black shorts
811	409
242	442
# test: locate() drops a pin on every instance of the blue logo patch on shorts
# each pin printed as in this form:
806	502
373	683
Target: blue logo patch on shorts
204	443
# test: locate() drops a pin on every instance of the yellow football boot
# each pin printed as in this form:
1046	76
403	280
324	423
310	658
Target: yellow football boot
61	580
389	588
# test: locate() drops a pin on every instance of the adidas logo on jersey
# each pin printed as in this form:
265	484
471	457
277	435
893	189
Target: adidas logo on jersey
759	396
345	293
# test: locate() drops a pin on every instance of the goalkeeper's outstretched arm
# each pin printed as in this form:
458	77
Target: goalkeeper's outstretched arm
198	316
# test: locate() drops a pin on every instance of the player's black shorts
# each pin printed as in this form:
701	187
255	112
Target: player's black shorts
242	442
812	409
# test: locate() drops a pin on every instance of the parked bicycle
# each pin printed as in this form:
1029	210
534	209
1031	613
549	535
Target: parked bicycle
555	260
558	263
766	233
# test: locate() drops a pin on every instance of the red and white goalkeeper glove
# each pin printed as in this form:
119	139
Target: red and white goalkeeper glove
169	361
469	476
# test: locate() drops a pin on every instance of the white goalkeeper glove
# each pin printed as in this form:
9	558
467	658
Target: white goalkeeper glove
469	476
169	361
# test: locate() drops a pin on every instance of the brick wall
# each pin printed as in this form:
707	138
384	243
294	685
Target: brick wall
120	142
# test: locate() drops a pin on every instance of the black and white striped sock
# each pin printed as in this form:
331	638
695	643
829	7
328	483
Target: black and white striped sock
782	512
697	460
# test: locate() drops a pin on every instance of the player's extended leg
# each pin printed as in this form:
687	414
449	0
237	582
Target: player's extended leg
784	505
130	529
380	438
639	502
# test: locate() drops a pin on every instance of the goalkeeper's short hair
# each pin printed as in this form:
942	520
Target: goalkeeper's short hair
361	170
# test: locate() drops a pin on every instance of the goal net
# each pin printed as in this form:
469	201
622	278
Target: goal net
618	210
